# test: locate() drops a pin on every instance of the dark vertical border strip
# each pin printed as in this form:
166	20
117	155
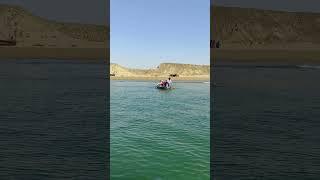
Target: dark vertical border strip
212	85
108	88
107	98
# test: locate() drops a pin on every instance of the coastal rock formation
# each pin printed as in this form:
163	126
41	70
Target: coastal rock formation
238	28
27	30
183	69
163	70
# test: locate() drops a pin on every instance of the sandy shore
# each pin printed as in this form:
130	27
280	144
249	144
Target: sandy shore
162	78
266	56
54	53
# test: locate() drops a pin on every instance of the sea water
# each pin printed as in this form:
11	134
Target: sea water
53	120
266	122
160	134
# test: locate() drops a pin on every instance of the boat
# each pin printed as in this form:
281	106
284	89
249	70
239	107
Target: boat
160	86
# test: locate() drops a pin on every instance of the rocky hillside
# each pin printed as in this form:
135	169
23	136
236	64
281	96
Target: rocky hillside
254	28
184	69
17	24
163	70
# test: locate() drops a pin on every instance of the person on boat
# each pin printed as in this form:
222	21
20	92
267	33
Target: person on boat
161	83
169	82
165	83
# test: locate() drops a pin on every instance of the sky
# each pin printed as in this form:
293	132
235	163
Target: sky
287	5
81	11
145	33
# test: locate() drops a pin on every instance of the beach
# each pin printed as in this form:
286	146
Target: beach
54	53
266	56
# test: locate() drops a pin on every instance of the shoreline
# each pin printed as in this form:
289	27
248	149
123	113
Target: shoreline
265	56
160	78
89	54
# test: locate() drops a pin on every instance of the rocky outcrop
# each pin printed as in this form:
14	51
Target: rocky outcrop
163	70
255	28
17	24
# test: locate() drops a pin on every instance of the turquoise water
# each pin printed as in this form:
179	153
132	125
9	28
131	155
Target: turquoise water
159	134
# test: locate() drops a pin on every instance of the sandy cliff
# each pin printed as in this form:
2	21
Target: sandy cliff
265	36
163	70
31	32
255	28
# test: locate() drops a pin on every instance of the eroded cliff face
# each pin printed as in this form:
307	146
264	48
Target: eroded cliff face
184	69
254	28
17	24
164	70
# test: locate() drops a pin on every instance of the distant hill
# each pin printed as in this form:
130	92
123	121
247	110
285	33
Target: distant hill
163	70
254	28
17	24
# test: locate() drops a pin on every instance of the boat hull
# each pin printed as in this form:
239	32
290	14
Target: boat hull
162	87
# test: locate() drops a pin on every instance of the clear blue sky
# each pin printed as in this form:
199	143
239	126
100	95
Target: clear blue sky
145	33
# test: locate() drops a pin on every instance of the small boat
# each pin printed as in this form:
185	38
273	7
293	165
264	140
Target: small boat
160	86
